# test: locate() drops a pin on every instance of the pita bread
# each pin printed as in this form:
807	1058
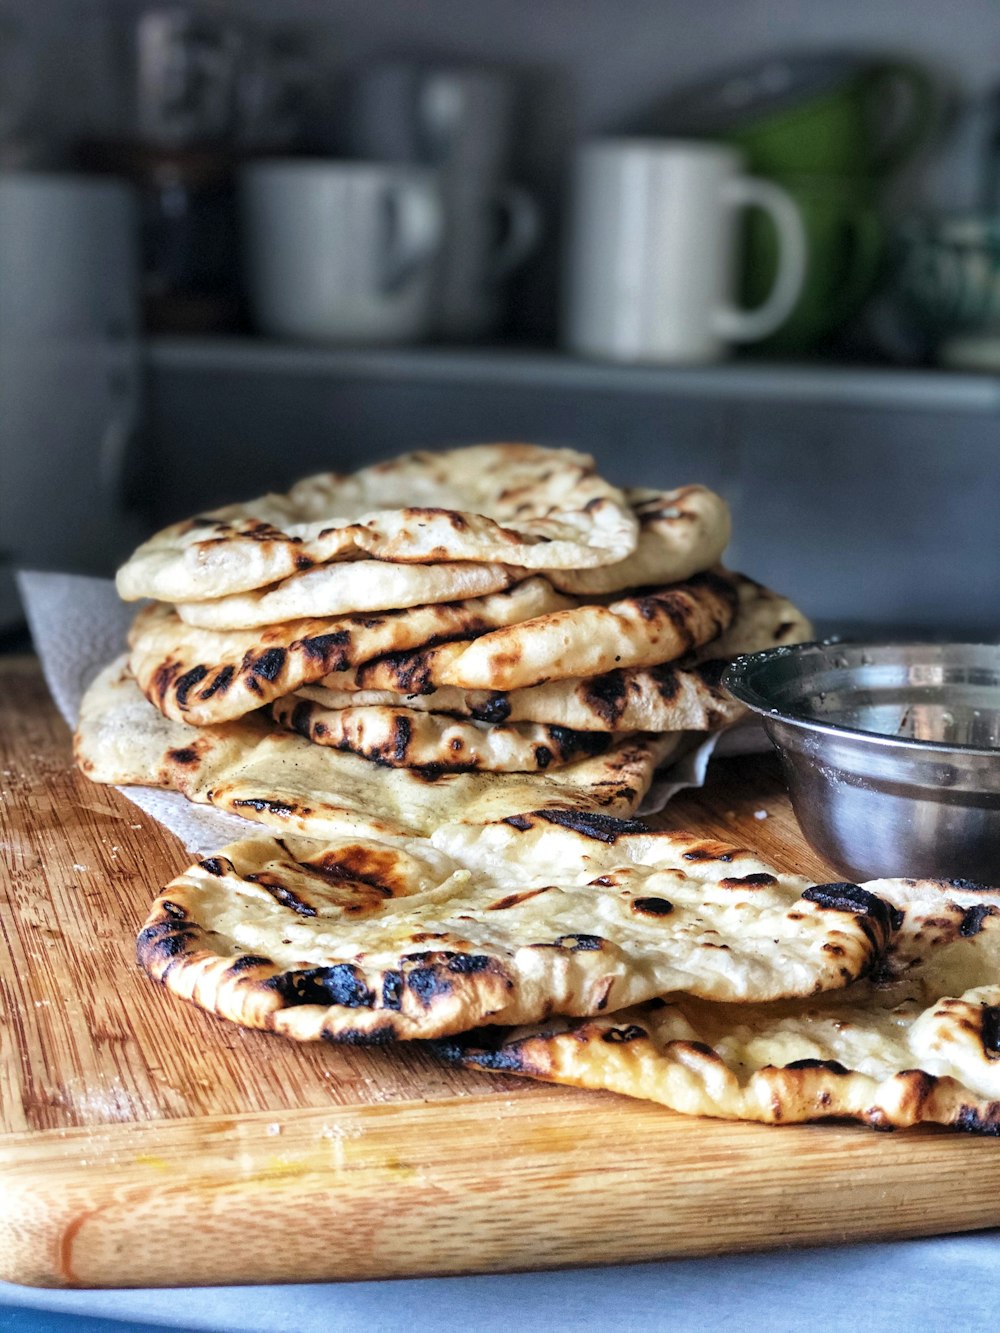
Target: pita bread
516	504
683	696
653	626
285	782
918	1042
348	586
681	532
356	941
208	676
403	737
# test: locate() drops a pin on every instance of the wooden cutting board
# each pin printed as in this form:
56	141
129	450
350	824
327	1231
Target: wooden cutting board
144	1143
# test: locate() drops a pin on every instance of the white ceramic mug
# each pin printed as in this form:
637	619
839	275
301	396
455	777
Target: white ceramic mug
341	251
654	254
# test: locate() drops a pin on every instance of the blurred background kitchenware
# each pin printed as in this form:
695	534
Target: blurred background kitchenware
845	250
70	374
948	279
460	121
654	252
833	129
195	90
341	251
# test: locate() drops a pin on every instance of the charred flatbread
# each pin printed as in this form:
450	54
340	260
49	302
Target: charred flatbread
401	737
916	1042
681	533
208	676
356	941
249	768
516	504
675	696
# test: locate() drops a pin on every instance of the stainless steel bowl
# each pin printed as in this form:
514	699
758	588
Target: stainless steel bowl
891	752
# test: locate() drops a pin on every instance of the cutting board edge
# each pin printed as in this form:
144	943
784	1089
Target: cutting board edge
415	1185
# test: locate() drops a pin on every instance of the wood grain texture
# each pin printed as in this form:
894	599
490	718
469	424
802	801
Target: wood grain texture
132	1124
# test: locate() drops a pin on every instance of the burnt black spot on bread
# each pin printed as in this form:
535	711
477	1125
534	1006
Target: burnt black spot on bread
392	989
543	756
219	684
384	1034
269	663
521	822
579	943
515	899
973	918
606	696
495	708
282	894
301	719
990	1029
974	1121
877	918
342	984
217	865
402	732
652	906
831	1066
173	910
186	755
258	803
748	881
247	962
710	851
328	649
619	1036
163	940
187	682
591	824
571	744
303	562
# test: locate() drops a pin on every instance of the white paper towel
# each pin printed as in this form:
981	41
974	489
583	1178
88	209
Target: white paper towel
78	625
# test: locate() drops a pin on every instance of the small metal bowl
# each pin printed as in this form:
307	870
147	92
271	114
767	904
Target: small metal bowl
891	752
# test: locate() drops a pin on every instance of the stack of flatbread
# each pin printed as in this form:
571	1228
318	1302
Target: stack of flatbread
586	950
444	681
447	636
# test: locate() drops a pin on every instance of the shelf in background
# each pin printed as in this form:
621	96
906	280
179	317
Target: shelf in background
855	386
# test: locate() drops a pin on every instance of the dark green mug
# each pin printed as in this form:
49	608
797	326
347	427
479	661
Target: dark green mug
868	123
823	113
845	250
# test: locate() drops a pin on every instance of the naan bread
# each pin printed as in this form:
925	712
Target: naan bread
677	696
653	626
681	532
401	737
281	780
516	504
347	586
207	676
918	1042
356	941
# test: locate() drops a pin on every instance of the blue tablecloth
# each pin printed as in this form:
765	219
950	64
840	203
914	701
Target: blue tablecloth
951	1283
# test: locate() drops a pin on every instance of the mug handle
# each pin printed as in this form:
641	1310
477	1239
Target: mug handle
523	232
416	230
734	324
920	109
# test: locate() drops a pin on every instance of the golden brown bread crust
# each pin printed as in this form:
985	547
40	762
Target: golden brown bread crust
553	911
